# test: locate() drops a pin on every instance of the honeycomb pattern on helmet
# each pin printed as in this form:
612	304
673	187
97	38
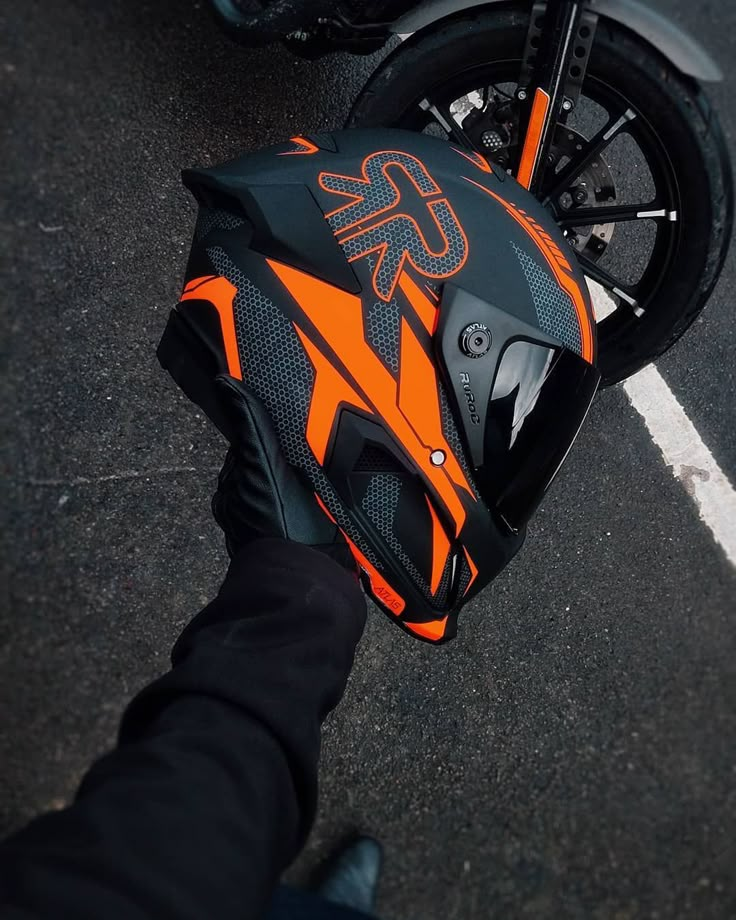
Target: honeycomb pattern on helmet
299	146
375	192
555	311
209	219
451	228
382	328
373	459
443	589
405	239
284	382
464	578
368	199
380	503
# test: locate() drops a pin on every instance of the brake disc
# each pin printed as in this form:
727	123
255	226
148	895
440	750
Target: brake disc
594	184
499	141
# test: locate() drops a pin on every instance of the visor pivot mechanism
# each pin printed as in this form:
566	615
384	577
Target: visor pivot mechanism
475	340
437	457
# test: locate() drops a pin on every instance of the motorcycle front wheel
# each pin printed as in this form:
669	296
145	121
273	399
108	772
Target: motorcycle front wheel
649	215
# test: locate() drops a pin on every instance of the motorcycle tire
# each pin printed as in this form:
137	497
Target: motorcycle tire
671	105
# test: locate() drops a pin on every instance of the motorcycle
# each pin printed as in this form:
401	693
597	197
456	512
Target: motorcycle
596	106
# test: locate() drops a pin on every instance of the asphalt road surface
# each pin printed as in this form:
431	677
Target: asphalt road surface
573	752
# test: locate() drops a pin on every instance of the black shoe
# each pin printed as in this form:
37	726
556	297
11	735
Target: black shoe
352	877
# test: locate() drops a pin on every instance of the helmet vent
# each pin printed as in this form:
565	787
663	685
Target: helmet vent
374	459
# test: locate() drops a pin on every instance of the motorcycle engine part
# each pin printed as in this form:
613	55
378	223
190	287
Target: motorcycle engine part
263	23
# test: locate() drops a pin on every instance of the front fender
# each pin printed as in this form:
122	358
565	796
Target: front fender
680	48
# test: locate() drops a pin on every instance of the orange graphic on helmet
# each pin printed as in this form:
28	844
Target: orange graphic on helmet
409	408
220	292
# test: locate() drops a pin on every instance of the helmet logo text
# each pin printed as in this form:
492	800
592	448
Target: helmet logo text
372	221
469	398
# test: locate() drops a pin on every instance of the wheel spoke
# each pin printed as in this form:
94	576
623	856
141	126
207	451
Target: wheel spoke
622	292
595	146
446	120
613	214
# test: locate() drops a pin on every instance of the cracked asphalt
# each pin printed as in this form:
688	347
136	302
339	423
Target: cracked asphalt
573	752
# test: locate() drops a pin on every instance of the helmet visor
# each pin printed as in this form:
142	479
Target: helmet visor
540	397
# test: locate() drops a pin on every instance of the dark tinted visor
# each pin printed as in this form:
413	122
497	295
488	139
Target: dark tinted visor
541	395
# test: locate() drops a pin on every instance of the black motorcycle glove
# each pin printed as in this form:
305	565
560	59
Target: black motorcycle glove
259	493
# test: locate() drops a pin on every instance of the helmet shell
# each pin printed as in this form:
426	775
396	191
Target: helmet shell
319	273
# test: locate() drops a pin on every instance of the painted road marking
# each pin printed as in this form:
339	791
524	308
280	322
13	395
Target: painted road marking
682	447
603	304
686	454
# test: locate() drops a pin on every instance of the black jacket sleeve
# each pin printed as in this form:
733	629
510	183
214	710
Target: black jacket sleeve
212	788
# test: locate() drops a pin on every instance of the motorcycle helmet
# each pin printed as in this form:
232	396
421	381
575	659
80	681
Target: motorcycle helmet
424	344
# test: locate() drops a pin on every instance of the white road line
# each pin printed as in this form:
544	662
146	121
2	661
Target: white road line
683	450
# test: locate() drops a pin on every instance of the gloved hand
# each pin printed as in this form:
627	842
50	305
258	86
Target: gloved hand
259	493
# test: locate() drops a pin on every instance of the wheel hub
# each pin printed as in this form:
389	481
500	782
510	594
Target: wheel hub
492	141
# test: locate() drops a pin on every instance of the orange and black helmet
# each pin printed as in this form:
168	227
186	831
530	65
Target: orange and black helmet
411	319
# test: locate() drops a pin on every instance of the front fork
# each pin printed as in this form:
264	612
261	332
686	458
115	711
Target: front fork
558	45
